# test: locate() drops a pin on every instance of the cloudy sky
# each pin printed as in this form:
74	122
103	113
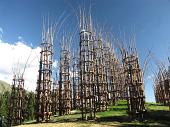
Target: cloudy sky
21	21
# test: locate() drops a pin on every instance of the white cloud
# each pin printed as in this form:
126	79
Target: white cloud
13	57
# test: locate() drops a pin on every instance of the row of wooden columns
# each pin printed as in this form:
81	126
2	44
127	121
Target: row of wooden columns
96	79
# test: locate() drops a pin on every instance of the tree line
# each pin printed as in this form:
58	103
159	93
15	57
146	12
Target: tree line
4	107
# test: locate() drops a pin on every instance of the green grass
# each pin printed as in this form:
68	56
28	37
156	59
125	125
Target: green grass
157	116
154	106
157	113
118	110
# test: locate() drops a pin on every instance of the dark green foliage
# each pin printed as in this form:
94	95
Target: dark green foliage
29	106
30	103
4	102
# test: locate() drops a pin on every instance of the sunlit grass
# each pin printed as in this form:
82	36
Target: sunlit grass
157	115
154	106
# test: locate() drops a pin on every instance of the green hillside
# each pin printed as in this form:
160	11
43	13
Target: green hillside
4	86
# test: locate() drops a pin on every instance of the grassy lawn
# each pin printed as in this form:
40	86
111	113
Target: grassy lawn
157	115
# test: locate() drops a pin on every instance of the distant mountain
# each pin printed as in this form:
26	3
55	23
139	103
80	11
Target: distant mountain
4	86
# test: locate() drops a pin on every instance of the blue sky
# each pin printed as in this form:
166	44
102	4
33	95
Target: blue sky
150	19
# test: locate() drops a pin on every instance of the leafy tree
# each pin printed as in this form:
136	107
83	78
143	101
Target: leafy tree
30	102
4	103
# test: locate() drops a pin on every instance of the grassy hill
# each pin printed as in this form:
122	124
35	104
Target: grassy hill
4	86
157	116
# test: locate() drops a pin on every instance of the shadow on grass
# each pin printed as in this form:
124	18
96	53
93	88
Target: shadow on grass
153	118
113	119
118	109
159	116
122	121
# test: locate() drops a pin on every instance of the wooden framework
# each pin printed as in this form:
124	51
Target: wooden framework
100	76
87	75
55	97
134	86
75	79
44	82
86	62
20	101
114	70
120	82
162	87
65	92
17	102
109	78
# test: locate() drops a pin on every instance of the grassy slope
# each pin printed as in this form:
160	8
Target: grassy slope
4	86
116	116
